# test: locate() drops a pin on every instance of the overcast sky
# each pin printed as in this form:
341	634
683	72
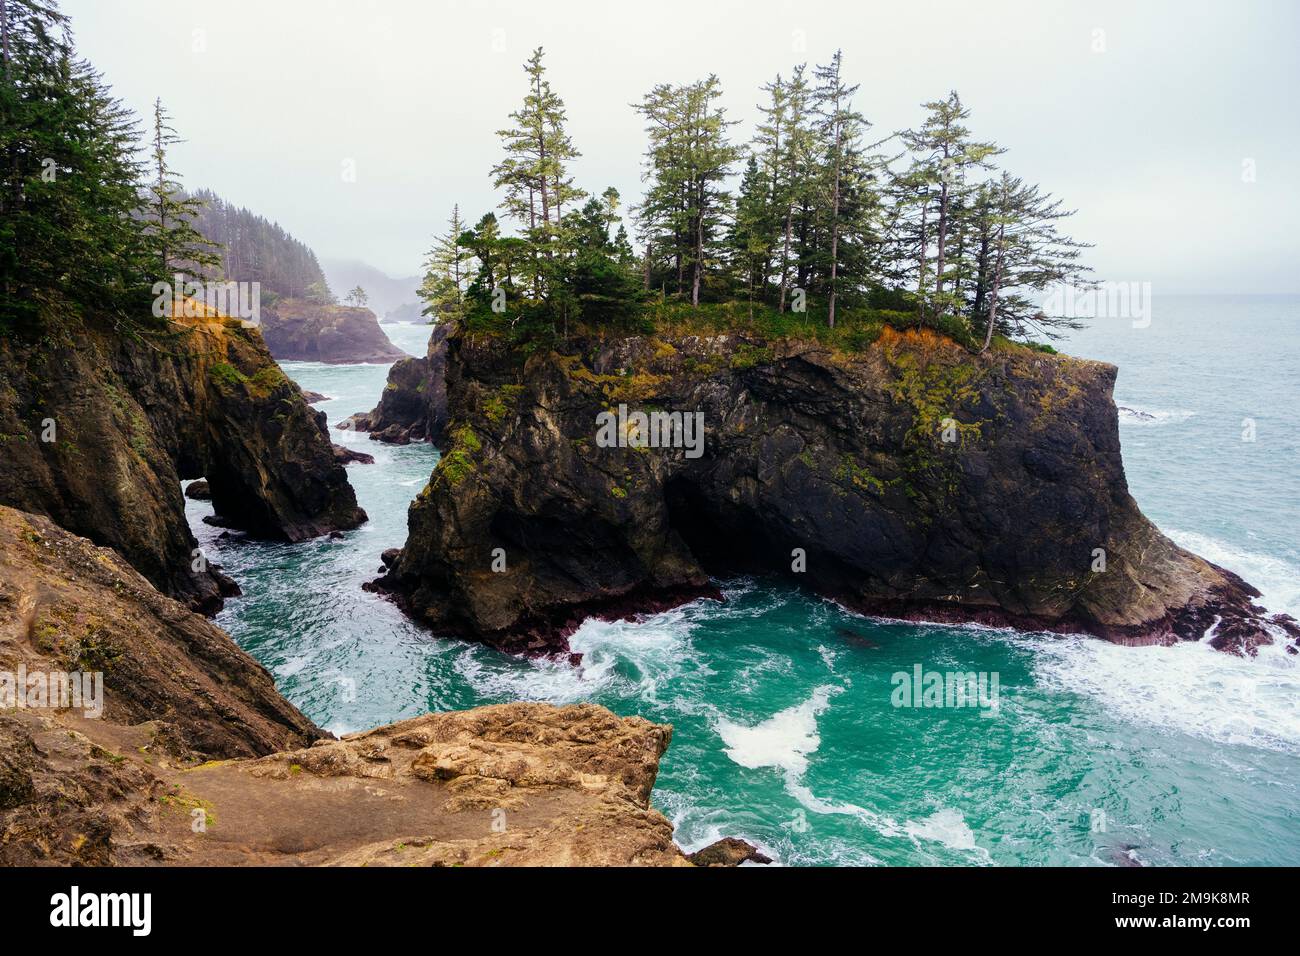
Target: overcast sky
1140	115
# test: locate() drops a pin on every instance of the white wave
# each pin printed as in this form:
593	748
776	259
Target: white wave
1277	579
810	801
783	741
1130	414
948	827
651	650
1189	687
703	835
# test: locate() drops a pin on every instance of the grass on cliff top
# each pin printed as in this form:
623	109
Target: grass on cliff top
856	329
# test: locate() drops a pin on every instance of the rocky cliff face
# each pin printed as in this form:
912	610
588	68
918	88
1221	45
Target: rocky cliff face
413	406
196	759
97	431
296	330
910	480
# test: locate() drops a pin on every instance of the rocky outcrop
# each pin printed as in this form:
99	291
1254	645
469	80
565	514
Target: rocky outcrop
407	312
728	852
301	331
909	479
98	430
67	605
346	456
413	406
197	760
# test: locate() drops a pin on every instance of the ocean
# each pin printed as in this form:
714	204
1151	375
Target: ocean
785	729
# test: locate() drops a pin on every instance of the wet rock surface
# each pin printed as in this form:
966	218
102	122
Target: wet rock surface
413	406
910	480
127	420
197	760
297	330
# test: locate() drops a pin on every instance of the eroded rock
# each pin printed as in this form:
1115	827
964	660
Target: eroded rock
127	421
297	330
916	480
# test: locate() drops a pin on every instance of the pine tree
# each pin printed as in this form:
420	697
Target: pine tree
1026	254
687	163
534	172
795	160
750	235
841	128
943	154
70	175
446	270
177	244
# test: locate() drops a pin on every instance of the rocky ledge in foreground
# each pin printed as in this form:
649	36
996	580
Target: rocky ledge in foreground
413	406
196	759
302	331
98	430
911	479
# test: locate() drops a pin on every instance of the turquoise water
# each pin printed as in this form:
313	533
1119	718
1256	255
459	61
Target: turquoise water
785	732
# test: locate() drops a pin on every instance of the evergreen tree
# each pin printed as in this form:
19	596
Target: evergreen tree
687	163
446	270
793	158
841	128
253	249
1026	253
750	237
70	173
603	286
943	153
534	172
176	242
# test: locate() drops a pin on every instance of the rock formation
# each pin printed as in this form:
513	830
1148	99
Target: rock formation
413	406
909	479
98	431
197	760
297	330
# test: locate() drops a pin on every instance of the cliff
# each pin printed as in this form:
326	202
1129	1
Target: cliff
301	331
98	430
413	406
197	760
907	479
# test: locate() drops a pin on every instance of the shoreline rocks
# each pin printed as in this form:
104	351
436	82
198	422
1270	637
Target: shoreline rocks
413	406
196	760
912	480
302	331
129	420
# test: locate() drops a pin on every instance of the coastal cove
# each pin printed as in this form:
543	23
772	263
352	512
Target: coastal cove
784	731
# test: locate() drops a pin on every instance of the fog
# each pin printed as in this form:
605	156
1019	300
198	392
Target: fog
1170	126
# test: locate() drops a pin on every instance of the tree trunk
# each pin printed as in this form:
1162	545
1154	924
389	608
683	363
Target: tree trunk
993	295
699	258
920	269
835	227
943	236
785	256
4	35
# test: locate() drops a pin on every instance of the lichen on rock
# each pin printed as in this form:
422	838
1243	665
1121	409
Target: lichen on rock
919	481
